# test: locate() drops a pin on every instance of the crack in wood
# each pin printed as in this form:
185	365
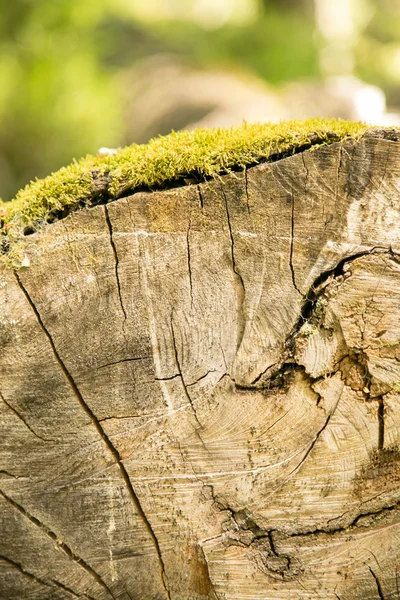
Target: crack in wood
243	522
116	261
58	542
307	174
21	418
378	584
381	423
310	303
291	248
9	474
360	357
130	416
350	525
239	279
114	452
189	263
274	564
246	523
201	378
246	189
170	378
69	590
180	375
338	171
271	542
320	282
201	202
315	440
56	584
23	571
124	360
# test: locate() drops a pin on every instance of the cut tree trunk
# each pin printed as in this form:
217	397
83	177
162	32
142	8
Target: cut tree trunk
200	390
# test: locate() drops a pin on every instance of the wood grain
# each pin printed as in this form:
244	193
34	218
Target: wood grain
200	390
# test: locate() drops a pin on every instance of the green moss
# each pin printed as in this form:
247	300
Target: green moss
202	153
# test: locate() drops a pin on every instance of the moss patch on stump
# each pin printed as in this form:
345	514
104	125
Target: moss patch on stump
166	160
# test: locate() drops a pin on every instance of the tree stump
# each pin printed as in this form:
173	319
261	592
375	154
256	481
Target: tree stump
200	389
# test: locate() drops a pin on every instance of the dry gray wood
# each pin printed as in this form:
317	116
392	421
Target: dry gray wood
200	390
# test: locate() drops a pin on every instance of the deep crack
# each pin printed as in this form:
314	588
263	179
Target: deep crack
381	423
189	263
238	276
378	584
114	452
349	526
58	542
308	308
201	201
116	260
318	285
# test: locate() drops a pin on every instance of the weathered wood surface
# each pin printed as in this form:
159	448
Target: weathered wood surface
200	390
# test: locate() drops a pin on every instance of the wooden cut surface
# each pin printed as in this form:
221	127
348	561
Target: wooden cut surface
200	390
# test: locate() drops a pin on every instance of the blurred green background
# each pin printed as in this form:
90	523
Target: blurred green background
77	75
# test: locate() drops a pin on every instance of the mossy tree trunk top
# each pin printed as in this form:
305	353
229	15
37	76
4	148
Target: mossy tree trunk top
200	386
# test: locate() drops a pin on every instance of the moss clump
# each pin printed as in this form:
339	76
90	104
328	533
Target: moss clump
308	330
202	153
